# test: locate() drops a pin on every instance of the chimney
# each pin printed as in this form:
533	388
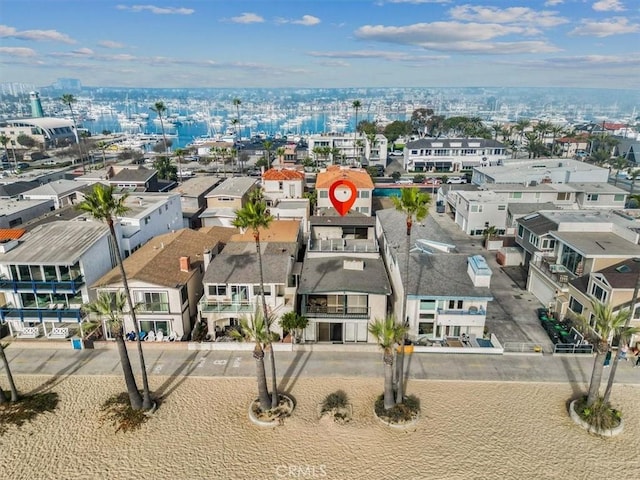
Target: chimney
184	264
206	257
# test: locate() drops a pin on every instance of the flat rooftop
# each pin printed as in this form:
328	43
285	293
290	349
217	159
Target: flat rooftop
600	244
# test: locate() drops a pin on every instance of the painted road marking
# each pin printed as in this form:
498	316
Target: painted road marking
201	362
219	362
236	362
157	369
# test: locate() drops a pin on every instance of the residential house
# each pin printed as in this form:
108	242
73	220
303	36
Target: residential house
137	179
343	284
540	170
614	286
45	274
193	194
283	190
568	147
440	305
348	149
222	202
560	246
358	176
165	280
452	154
15	212
13	190
62	192
232	279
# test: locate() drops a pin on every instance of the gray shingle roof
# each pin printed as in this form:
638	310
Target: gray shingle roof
538	224
134	175
327	274
229	268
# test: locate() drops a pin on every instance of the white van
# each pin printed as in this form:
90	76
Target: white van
456	180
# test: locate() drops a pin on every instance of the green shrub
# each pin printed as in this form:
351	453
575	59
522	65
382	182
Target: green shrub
399	413
418	178
335	400
600	415
26	409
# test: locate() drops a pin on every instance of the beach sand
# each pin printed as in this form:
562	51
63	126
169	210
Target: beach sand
467	430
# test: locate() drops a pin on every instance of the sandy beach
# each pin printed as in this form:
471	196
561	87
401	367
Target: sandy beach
477	430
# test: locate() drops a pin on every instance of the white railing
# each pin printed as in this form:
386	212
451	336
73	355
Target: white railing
522	347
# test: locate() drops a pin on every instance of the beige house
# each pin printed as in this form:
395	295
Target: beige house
358	176
165	280
225	199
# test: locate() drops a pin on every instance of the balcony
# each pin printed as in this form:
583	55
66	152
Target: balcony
554	271
52	286
329	311
343	245
62	315
226	306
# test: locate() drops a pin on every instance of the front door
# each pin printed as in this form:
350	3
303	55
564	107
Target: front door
330	332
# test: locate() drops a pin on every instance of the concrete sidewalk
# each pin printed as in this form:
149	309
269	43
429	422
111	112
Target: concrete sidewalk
291	365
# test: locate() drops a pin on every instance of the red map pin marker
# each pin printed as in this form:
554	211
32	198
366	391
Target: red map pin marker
343	195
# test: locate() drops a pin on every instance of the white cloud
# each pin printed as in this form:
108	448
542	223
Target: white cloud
606	28
552	3
156	10
418	2
37	35
511	15
608	6
377	54
307	20
83	52
110	44
18	51
247	18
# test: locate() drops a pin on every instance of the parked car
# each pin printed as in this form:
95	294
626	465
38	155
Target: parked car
436	182
456	180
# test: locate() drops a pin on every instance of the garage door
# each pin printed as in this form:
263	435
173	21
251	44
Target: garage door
541	289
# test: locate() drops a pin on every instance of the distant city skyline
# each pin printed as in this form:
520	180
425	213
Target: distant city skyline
322	44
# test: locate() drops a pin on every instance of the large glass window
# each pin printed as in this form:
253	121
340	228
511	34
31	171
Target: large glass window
155	326
50	273
217	290
427	304
575	305
570	259
152	301
598	292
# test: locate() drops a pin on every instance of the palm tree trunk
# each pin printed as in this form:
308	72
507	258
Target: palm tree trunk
164	137
388	380
75	131
12	385
274	380
132	388
403	320
263	393
147	403
596	377
3	399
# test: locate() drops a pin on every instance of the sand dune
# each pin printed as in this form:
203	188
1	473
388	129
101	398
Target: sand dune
467	430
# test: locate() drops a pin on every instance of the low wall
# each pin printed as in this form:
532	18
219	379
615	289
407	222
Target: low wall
474	350
234	346
111	344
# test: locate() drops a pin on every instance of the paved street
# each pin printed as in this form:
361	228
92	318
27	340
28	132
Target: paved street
292	365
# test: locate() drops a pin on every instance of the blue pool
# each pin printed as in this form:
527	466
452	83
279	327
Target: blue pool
483	342
393	192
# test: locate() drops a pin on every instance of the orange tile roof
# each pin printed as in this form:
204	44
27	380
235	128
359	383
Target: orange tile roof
11	233
359	177
282	174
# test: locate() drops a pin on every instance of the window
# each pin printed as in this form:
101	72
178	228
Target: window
502	207
427	304
460	304
564	196
452	304
267	290
520	231
592	197
534	239
515	194
152	301
425	328
363	193
220	290
548	243
598	292
155	326
476	208
575	306
619	197
323	193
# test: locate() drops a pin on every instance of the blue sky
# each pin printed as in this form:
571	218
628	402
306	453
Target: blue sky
322	43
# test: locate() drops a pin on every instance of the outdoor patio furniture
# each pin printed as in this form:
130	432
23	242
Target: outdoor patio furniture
29	332
151	336
160	336
58	333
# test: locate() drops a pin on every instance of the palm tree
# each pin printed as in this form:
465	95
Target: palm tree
356	106
179	152
254	216
520	127
388	333
414	205
159	108
110	308
634	175
12	386
256	329
103	206
102	146
280	155
606	325
4	140
268	145
69	100
488	233
236	103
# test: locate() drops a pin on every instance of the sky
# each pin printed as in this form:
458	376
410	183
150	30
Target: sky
322	43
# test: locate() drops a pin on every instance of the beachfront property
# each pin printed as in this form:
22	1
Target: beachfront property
613	286
45	276
343	284
222	202
165	281
232	279
452	154
447	292
560	246
348	149
358	176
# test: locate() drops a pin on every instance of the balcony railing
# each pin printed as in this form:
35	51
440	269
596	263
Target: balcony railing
470	311
343	245
324	311
41	314
53	286
212	306
556	272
